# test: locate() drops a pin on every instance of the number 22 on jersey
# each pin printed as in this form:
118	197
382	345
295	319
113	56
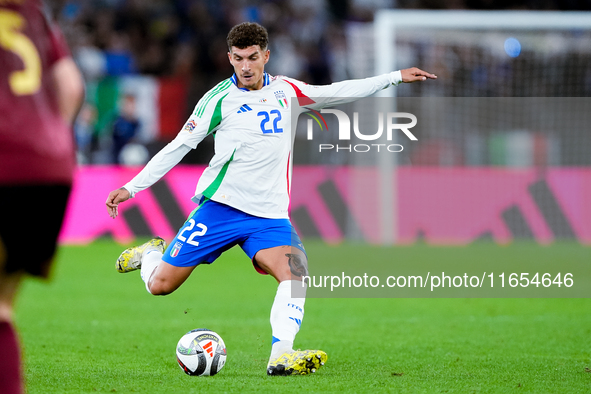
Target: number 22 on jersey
276	115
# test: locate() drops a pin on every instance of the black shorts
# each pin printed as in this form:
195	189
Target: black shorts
30	225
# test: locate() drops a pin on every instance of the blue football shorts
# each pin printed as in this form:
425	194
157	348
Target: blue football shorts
213	228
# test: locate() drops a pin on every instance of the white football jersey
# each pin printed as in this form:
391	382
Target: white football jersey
251	167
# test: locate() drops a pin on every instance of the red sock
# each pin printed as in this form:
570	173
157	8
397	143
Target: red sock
10	368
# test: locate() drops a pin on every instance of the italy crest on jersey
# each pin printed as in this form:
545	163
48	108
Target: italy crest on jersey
176	249
282	99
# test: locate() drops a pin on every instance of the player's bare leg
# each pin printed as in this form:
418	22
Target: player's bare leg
287	265
10	373
283	262
166	278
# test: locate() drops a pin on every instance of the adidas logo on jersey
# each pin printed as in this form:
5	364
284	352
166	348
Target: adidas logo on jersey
244	108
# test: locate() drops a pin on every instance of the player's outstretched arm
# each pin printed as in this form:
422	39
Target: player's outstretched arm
353	89
115	197
414	74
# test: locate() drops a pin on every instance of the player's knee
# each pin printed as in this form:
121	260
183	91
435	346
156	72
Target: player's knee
161	287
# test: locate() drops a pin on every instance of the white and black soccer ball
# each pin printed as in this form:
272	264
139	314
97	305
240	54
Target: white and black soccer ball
201	352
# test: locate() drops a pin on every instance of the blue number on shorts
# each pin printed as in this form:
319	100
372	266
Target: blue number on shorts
267	118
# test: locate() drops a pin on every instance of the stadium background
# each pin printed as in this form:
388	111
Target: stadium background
91	329
162	56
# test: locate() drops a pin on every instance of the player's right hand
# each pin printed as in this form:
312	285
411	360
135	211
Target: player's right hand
116	197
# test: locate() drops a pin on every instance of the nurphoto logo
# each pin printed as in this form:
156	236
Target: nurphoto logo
344	123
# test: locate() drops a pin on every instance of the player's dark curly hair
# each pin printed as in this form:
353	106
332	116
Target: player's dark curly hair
247	34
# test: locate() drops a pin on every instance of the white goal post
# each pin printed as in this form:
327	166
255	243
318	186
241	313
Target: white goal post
388	23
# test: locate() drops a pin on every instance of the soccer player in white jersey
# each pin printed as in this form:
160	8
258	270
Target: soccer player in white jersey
243	195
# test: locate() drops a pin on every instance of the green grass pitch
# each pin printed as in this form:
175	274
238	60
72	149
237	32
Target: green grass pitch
91	329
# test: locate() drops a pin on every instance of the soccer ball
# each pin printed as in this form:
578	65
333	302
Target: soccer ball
201	352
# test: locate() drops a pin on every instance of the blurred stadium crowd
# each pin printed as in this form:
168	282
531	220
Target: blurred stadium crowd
185	40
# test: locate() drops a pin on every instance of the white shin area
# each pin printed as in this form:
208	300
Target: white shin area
150	261
287	314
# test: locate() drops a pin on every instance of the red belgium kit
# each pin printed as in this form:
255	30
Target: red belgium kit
36	145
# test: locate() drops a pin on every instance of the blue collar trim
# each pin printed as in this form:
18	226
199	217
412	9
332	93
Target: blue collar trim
266	80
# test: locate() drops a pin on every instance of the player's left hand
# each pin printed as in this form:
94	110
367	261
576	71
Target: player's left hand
415	74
